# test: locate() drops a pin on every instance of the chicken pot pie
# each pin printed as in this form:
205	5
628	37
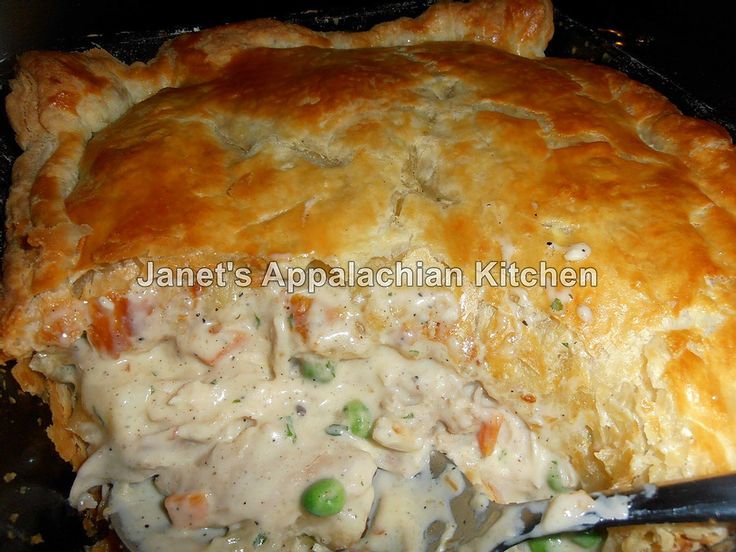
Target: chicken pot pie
206	404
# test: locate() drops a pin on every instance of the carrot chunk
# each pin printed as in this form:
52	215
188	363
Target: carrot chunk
187	511
488	435
111	328
239	339
300	306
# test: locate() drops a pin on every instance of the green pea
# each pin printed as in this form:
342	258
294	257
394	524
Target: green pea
359	418
539	545
316	368
544	544
324	498
587	539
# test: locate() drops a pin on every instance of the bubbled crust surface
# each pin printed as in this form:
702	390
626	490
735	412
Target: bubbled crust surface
59	100
448	133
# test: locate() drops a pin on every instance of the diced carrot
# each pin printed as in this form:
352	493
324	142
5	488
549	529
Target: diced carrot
187	511
238	341
492	491
110	329
488	435
195	290
300	305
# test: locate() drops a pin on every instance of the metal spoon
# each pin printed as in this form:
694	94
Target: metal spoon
497	527
486	526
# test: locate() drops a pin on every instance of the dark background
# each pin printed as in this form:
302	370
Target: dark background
685	49
690	41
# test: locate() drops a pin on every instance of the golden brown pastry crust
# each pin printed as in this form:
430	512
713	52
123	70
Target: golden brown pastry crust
59	100
448	133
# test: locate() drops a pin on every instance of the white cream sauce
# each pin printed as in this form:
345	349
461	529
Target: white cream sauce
572	511
565	513
209	402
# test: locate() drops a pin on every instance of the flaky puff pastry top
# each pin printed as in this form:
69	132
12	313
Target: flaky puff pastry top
450	134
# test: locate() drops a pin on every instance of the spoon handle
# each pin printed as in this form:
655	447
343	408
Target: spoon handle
709	499
713	498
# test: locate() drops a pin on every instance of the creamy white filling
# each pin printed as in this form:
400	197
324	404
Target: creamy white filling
209	401
570	511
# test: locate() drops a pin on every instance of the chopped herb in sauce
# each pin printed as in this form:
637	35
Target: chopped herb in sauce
316	368
336	429
290	432
260	540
